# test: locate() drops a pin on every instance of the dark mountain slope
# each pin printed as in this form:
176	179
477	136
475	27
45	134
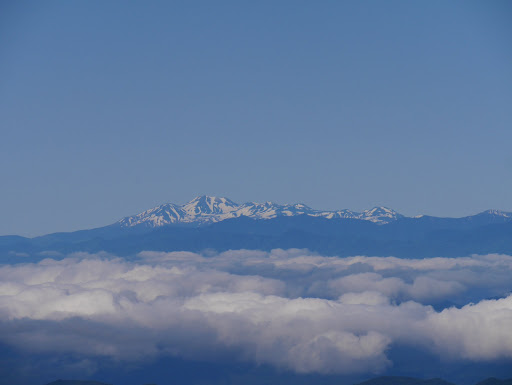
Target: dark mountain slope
74	382
406	237
390	380
495	381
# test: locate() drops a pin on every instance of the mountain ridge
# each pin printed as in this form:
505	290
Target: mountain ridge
399	380
205	210
383	380
406	237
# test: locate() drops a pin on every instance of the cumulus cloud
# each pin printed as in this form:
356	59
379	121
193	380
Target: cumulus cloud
477	331
287	308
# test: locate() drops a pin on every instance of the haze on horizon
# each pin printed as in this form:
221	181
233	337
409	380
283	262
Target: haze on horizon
109	109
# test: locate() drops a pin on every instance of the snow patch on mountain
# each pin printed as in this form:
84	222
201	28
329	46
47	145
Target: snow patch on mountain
207	209
498	213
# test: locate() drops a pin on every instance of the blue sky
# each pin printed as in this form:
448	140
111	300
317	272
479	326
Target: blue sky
110	108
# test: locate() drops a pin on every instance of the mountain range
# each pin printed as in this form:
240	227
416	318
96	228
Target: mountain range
386	380
206	210
220	224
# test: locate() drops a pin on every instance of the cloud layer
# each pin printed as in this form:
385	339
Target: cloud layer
287	308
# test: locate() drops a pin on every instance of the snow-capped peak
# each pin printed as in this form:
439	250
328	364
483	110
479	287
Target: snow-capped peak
165	214
380	214
498	213
207	205
208	209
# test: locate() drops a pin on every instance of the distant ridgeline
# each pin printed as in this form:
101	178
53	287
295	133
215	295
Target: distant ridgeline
374	381
73	382
433	381
210	223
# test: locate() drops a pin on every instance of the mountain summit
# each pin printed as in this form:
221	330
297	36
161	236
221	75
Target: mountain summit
207	209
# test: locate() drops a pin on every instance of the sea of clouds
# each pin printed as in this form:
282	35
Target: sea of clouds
291	309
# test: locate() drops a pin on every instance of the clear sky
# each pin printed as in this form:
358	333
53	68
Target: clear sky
110	108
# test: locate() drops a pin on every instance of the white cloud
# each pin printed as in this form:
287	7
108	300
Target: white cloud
290	309
479	331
